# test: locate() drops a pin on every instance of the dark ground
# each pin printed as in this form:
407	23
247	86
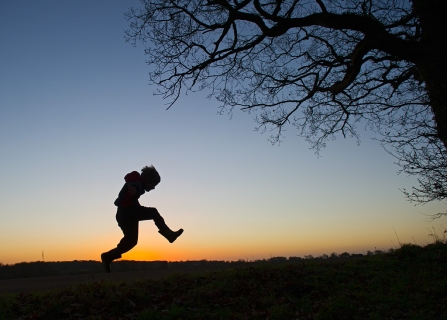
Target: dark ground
55	282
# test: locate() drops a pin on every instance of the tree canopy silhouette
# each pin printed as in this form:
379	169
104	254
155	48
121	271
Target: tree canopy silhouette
325	67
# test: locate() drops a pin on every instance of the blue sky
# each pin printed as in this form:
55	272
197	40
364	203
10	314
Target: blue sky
77	114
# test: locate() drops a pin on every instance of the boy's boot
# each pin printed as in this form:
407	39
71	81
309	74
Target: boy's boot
169	234
108	257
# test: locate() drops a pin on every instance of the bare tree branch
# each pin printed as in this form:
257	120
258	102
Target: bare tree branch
323	67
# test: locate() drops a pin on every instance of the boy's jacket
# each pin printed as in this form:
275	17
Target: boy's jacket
124	198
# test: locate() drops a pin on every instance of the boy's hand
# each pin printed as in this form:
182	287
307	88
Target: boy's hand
131	190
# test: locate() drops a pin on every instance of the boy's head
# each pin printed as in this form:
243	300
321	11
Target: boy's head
150	177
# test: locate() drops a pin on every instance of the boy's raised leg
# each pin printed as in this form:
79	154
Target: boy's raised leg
169	234
147	213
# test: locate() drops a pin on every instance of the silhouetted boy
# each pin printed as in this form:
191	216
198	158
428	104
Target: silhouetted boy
130	212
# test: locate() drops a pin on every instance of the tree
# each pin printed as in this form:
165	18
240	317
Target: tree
334	255
325	67
344	255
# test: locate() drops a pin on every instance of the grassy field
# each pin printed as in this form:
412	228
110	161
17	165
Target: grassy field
407	283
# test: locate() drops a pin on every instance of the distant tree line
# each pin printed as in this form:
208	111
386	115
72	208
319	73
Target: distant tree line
58	268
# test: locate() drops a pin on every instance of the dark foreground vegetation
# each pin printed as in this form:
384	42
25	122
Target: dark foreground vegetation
407	283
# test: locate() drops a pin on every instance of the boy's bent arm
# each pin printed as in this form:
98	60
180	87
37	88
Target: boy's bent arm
135	188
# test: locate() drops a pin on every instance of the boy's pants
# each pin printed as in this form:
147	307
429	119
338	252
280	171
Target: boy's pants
128	219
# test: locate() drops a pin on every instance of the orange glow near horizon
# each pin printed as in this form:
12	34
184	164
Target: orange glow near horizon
152	247
141	255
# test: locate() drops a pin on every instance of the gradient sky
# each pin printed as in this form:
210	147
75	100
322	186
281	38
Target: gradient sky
77	114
